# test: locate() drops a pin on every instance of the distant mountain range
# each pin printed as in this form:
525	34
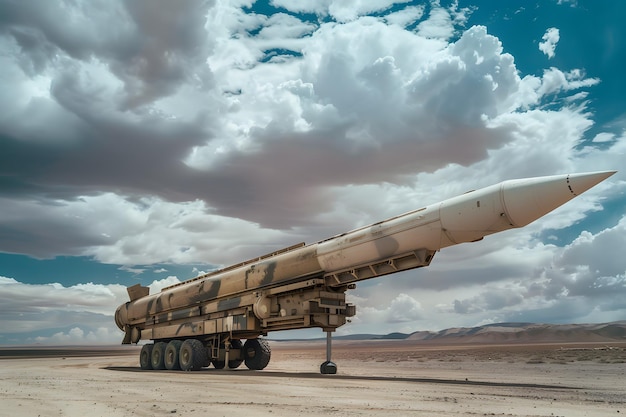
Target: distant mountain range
511	333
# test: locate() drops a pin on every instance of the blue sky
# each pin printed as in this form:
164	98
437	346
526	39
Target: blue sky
150	141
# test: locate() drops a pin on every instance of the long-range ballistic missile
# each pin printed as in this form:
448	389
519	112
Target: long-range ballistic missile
203	320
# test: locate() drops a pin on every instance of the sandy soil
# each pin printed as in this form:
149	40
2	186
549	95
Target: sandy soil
375	378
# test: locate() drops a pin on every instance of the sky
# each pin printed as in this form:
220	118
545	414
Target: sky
152	141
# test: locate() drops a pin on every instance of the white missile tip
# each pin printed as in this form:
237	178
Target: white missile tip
526	200
579	183
605	174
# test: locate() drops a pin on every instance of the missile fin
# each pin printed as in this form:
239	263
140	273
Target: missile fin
137	291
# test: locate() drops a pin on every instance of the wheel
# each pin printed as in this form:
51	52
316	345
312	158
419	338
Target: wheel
233	363
328	367
193	355
172	352
157	359
145	357
256	353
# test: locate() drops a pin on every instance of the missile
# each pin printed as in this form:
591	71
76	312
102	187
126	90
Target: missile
465	218
304	286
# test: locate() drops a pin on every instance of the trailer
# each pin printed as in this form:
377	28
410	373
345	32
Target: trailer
204	321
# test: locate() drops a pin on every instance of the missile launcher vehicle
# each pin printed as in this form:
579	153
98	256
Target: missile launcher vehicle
204	321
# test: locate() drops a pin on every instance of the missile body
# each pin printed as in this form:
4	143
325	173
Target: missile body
304	285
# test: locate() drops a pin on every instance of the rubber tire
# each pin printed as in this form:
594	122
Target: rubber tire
145	357
172	352
193	355
157	359
257	354
232	364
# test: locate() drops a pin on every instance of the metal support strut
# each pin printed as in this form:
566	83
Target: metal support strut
227	354
328	367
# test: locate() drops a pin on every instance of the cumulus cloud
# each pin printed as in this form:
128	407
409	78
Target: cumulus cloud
119	230
142	133
78	336
550	39
58	314
342	10
401	313
55	314
406	16
588	266
158	285
291	132
92	298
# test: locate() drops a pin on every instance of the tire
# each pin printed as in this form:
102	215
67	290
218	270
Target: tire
145	357
193	355
256	353
233	363
172	352
157	359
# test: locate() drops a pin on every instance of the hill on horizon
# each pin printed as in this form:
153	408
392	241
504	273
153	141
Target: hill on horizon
509	333
527	333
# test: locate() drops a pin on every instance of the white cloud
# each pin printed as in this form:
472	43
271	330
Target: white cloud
115	229
609	157
216	145
78	336
56	314
554	81
400	314
406	16
158	285
573	3
437	26
340	10
550	39
589	264
604	137
90	298
359	88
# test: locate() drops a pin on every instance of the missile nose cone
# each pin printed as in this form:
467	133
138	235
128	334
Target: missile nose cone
579	183
528	199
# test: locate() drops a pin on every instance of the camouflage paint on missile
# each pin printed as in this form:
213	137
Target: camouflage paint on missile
292	265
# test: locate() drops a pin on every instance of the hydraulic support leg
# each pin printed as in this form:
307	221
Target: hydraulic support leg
328	367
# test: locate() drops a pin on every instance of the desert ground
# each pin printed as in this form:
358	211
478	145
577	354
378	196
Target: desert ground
375	378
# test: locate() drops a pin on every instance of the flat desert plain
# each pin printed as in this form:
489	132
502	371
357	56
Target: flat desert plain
375	378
